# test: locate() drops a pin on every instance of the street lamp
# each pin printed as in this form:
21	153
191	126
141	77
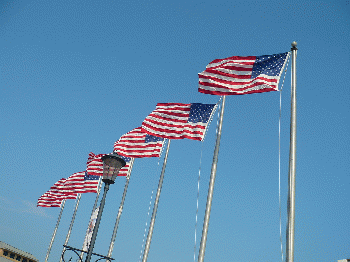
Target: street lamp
112	163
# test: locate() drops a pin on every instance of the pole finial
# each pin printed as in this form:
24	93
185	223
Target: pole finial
294	45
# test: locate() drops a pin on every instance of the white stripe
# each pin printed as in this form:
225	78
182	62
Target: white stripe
230	61
162	114
234	72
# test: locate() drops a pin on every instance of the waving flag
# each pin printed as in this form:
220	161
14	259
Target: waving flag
95	165
178	121
59	190
82	182
125	169
47	200
139	144
239	75
55	195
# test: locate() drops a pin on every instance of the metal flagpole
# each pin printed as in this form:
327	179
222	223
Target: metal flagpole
93	210
54	232
111	246
292	161
71	225
155	207
211	186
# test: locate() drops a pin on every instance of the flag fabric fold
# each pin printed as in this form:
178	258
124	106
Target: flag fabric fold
138	144
59	190
82	182
95	164
54	196
239	75
125	169
47	200
178	121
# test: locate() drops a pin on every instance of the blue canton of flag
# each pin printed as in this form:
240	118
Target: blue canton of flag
200	112
270	65
150	138
125	169
90	177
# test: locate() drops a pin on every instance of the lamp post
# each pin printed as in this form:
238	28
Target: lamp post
112	163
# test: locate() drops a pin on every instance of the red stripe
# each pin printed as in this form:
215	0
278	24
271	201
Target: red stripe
169	113
175	137
216	72
166	118
239	58
220	93
173	104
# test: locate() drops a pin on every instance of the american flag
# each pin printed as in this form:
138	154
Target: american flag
239	75
47	200
59	190
82	182
55	195
95	165
139	144
125	169
178	121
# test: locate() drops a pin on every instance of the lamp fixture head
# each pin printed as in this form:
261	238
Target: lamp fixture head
112	163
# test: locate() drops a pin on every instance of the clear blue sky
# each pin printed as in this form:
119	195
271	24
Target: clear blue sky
76	75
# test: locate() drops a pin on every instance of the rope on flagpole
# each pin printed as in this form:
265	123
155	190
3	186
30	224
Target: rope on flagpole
150	204
279	159
199	174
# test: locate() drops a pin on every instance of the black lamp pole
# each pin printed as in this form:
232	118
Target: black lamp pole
112	163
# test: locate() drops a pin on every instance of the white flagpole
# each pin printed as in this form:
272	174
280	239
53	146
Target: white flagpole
211	186
111	246
292	161
155	207
92	212
71	225
55	230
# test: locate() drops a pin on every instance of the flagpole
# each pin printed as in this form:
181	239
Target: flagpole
155	207
71	225
211	186
292	161
111	246
55	230
93	210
